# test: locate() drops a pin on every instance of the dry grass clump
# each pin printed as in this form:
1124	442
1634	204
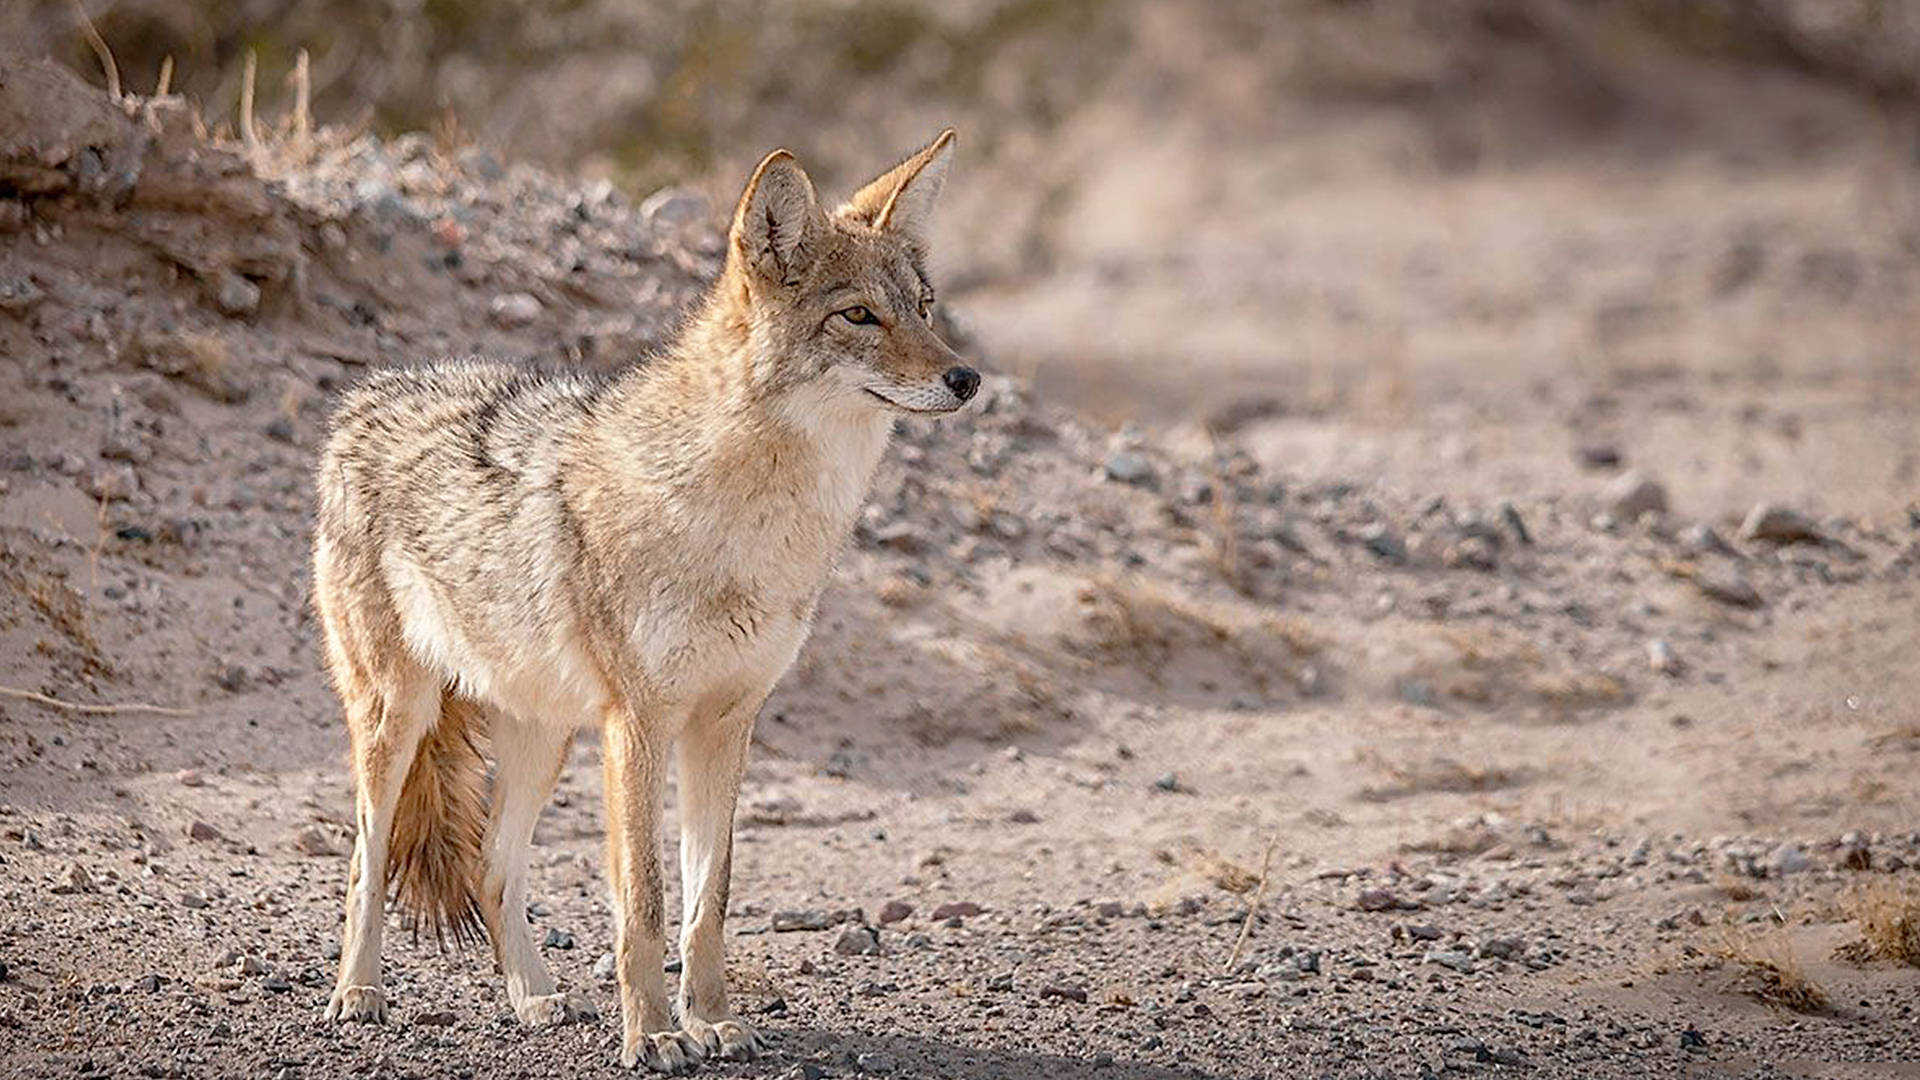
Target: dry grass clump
1145	625
1889	919
1767	971
1442	774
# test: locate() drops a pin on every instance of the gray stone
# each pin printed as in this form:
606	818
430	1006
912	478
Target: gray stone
1789	858
511	311
857	941
1779	525
1129	467
235	296
1634	494
558	939
1662	658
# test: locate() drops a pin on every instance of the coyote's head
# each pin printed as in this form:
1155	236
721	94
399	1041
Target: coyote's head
838	302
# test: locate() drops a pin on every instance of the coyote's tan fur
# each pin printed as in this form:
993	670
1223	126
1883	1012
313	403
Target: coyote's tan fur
501	558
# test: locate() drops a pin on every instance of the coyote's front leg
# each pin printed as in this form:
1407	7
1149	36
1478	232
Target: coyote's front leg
634	760
713	755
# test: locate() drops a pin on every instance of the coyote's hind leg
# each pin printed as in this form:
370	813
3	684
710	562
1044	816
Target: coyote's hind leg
528	756
385	725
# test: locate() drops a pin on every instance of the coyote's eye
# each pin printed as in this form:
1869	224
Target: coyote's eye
926	308
858	316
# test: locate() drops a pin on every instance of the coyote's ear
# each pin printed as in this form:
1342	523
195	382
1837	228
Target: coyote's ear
901	199
778	223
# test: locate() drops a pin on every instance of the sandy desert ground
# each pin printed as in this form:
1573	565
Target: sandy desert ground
1373	624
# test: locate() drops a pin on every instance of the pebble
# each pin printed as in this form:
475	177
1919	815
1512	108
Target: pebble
191	778
1381	900
75	880
1167	781
1662	658
235	296
1504	948
1065	991
1728	587
1383	543
1452	958
804	919
276	983
280	429
113	481
1789	858
1129	467
201	830
315	840
605	969
1634	494
873	1061
511	311
1778	524
1599	456
558	939
957	909
893	911
434	1019
857	941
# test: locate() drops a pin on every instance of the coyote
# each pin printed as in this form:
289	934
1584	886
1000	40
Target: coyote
501	558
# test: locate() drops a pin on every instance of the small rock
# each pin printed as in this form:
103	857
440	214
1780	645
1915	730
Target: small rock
1517	525
1001	983
1167	781
201	830
314	840
75	880
1599	456
1504	948
193	900
957	909
1692	1039
252	965
280	429
511	311
676	207
1453	959
1129	467
1728	587
1377	900
893	911
1779	525
1662	658
1703	540
1383	543
149	983
1421	932
558	939
873	1061
804	919
276	983
857	941
1634	494
1789	859
235	296
434	1019
1065	992
605	969
806	1070
191	778
112	481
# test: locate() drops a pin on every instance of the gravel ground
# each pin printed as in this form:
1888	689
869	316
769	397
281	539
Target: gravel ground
1117	752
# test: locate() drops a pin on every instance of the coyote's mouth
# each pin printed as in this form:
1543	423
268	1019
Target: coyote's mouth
904	406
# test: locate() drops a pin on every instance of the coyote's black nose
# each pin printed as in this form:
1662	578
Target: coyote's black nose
963	381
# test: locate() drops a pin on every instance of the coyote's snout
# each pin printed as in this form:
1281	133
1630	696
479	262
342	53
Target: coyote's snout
502	558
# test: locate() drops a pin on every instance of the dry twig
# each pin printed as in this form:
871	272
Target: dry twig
1253	906
91	710
100	50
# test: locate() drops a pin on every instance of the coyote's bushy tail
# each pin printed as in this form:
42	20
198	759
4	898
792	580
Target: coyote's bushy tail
434	857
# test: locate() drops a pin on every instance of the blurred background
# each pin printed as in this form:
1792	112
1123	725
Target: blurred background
1421	239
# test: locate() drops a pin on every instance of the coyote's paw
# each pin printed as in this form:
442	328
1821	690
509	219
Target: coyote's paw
552	1010
364	1004
727	1038
662	1051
